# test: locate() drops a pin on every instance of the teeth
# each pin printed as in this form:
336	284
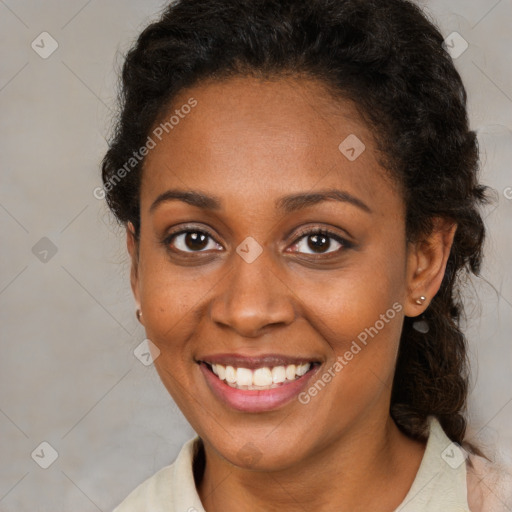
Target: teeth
260	378
290	372
230	374
302	369
243	377
221	371
278	374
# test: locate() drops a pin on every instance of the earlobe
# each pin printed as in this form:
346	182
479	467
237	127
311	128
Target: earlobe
426	265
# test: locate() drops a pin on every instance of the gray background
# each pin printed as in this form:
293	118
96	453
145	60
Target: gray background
68	375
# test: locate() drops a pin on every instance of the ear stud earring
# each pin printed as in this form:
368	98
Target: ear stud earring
421	325
138	314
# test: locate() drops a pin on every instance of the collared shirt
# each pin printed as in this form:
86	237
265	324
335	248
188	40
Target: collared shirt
448	480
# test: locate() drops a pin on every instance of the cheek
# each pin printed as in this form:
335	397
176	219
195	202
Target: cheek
363	333
169	298
344	304
364	337
359	313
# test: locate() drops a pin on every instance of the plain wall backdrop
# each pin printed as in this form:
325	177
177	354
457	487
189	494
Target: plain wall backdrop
68	373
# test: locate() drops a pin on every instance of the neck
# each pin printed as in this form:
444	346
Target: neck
360	471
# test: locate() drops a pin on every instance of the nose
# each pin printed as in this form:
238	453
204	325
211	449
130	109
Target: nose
253	297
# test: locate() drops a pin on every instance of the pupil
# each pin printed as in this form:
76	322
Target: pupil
319	242
195	240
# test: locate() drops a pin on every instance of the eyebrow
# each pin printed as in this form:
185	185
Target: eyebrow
295	202
287	204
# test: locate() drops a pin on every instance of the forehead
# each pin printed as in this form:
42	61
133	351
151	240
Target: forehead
262	139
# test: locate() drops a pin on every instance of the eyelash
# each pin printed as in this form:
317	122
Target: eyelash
345	244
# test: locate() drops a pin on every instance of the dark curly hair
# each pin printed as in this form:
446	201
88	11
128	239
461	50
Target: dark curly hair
389	59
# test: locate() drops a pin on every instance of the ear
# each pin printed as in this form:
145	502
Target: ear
426	265
133	250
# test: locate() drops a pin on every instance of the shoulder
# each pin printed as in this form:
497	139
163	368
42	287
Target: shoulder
489	485
169	488
147	494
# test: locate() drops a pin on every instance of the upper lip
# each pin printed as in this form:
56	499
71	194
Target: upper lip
252	362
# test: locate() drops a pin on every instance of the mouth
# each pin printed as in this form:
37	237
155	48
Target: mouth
256	384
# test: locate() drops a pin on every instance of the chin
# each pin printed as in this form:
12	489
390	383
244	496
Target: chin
261	450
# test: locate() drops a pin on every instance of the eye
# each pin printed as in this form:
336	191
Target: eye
320	241
191	240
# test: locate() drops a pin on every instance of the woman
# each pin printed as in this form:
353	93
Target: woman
299	188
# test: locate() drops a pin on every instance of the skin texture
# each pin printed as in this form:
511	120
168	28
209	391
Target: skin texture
250	142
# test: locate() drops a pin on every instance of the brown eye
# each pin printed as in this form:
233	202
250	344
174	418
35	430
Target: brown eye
320	242
192	241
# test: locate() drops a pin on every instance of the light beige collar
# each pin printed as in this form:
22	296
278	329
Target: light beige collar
439	485
440	482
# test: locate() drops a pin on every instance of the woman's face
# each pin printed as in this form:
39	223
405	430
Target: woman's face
233	280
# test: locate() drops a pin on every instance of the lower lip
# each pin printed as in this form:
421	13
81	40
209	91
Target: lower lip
253	400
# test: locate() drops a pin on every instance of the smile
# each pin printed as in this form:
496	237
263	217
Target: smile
256	384
259	378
